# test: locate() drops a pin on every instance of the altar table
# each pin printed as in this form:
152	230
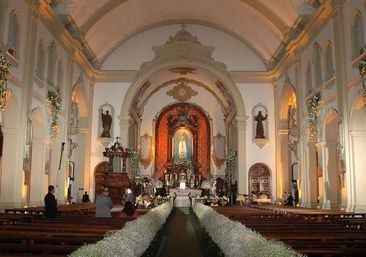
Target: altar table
182	199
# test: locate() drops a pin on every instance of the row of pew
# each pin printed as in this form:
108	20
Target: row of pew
29	232
313	234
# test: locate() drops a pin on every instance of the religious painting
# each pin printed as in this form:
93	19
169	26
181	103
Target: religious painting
260	125
182	150
145	150
219	150
106	113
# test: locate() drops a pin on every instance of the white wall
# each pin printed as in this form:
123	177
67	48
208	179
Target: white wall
253	94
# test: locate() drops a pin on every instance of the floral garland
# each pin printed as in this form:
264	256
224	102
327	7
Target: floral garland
230	164
131	241
234	239
312	105
4	73
362	69
55	105
134	161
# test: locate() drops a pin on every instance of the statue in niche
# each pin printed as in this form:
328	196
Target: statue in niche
260	118
106	124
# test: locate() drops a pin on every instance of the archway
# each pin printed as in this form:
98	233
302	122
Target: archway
10	169
38	179
287	136
198	57
78	140
333	174
358	161
194	120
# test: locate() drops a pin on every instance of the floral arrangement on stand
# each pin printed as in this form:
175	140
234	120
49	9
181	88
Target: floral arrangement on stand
4	73
234	239
312	105
55	106
230	162
134	158
133	239
362	69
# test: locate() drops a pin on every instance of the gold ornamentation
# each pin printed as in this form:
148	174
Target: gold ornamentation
182	92
4	73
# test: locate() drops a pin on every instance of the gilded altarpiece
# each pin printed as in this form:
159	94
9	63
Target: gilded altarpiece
175	118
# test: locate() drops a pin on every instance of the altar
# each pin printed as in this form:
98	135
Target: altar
182	196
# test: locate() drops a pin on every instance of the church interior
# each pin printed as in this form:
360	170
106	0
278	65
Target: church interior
229	128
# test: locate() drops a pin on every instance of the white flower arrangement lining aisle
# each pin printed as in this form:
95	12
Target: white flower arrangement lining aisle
133	239
236	240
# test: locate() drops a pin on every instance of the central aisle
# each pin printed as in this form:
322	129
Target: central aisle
181	235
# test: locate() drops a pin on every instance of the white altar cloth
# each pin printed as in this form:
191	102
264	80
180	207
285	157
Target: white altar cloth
182	199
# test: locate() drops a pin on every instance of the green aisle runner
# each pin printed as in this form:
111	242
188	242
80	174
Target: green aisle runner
181	237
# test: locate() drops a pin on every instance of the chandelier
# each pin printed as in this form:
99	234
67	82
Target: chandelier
4	73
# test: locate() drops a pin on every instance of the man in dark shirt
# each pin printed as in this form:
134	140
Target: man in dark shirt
50	203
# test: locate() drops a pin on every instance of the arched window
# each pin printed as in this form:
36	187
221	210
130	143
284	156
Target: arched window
317	62
51	63
41	61
13	34
309	80
60	75
357	34
329	68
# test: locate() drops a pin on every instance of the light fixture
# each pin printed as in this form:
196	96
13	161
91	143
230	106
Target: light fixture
4	73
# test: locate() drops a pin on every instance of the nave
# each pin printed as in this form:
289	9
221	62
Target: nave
314	233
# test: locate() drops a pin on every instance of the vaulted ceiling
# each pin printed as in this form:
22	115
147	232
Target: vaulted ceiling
261	24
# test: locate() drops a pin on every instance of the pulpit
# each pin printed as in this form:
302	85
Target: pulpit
113	173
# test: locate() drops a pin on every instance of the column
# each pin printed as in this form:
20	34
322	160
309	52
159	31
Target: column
324	183
343	74
124	124
242	158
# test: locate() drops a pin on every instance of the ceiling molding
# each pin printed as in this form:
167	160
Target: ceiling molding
128	76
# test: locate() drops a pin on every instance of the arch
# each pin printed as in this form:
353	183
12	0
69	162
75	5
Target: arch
357	36
287	134
141	100
78	96
148	72
38	180
260	180
357	175
333	174
9	161
194	119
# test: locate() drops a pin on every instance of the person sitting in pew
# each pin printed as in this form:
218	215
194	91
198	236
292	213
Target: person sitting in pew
86	198
50	203
129	211
103	204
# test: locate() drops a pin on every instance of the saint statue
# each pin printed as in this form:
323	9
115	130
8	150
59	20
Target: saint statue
182	147
259	132
106	124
